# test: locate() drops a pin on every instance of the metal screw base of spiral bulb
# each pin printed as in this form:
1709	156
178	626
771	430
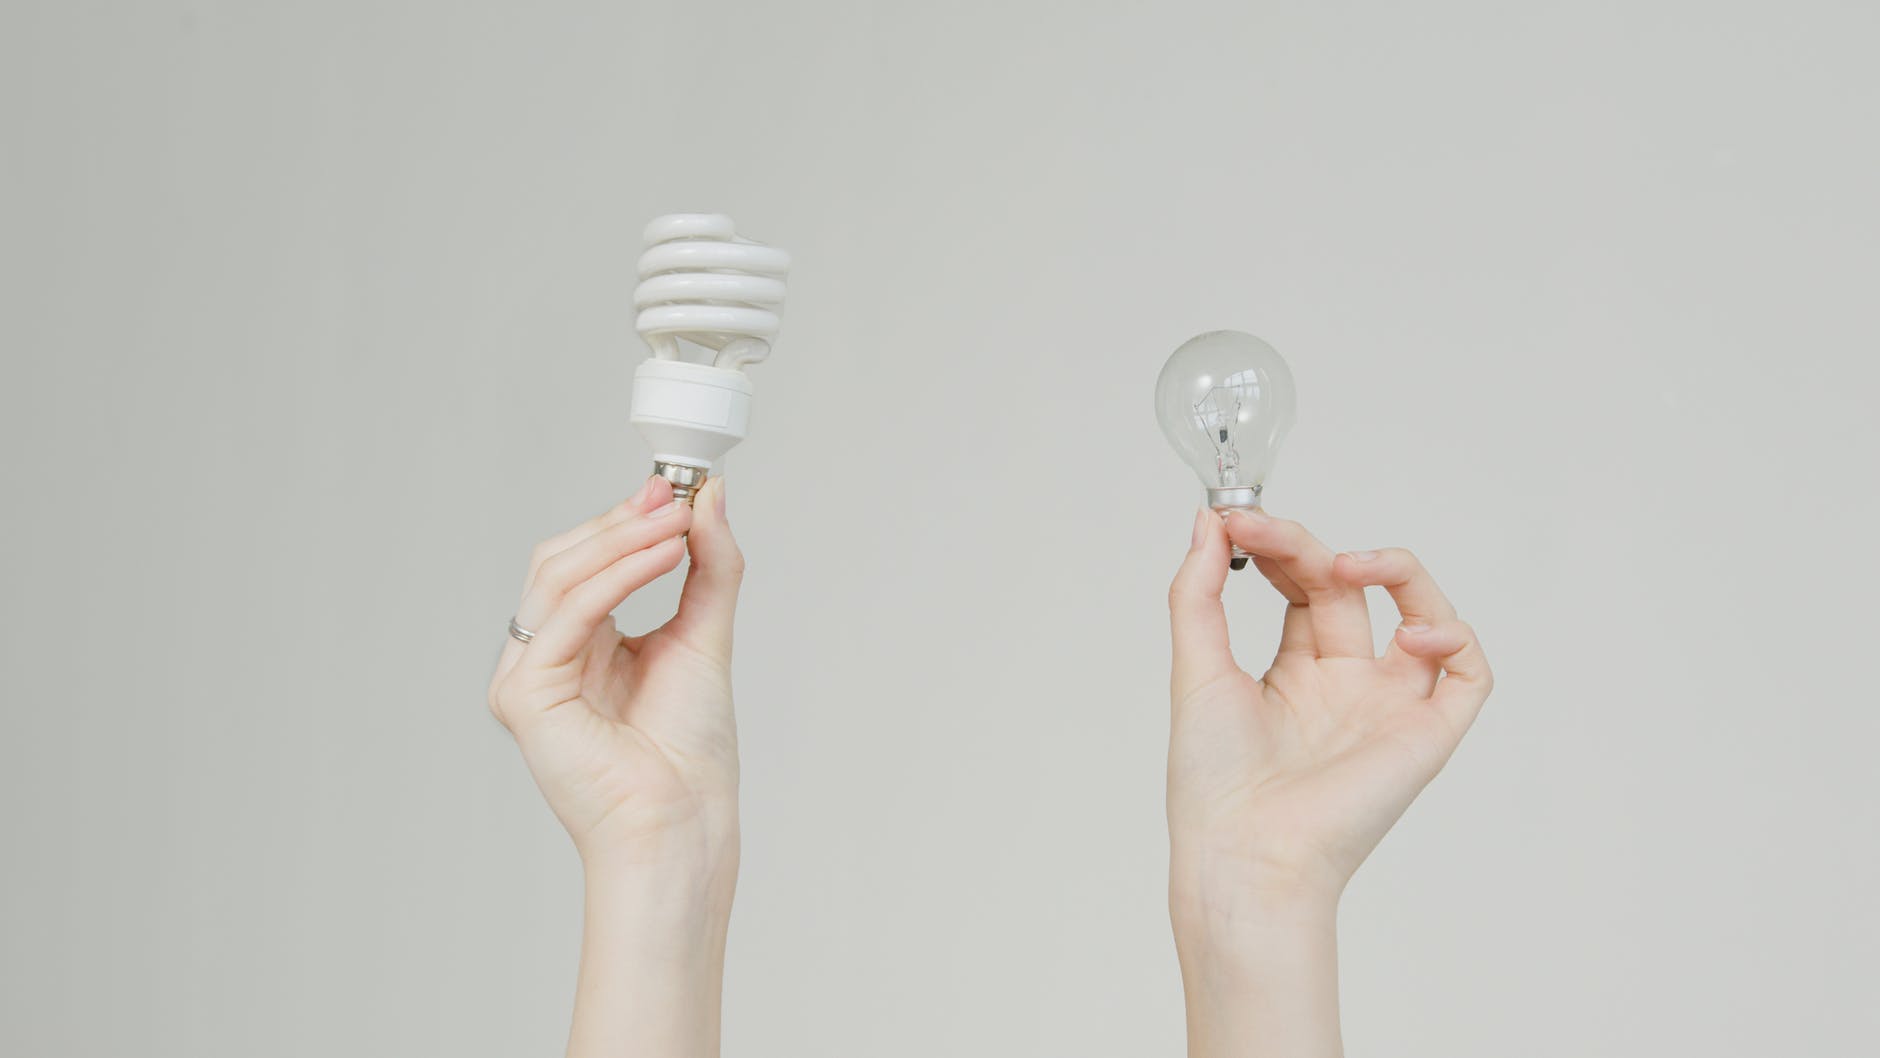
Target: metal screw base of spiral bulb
686	480
1225	502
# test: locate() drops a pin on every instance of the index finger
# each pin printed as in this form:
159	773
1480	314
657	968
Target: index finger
636	504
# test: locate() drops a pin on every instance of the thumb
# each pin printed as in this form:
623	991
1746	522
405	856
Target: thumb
709	603
1197	620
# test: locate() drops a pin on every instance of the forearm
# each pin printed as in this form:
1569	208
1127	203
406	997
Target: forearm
1260	975
652	967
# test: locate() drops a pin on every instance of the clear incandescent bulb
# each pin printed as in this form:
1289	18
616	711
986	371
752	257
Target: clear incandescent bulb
1225	403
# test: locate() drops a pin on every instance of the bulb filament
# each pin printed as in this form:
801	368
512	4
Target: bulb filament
1217	414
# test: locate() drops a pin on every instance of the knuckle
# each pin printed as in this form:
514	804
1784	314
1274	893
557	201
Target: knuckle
497	708
1469	650
550	577
1299	540
1182	596
616	538
555	574
1285	531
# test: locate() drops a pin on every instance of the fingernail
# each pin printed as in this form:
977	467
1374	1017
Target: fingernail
1362	556
1415	629
640	496
1201	525
720	499
667	509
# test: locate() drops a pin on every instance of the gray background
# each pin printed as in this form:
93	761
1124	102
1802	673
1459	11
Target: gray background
317	318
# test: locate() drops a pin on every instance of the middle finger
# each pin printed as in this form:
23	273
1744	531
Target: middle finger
1341	626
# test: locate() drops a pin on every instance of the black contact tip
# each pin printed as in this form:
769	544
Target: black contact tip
1237	563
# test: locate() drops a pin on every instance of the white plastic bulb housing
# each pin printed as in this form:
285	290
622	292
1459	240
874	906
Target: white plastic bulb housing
1225	402
709	304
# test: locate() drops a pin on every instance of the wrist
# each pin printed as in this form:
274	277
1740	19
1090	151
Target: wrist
700	852
682	890
1207	871
1232	925
1211	889
1236	937
1260	975
652	962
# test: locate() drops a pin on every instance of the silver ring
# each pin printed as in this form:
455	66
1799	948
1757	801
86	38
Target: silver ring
519	633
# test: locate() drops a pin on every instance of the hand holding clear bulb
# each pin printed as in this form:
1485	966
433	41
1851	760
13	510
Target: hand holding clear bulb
1225	402
1281	784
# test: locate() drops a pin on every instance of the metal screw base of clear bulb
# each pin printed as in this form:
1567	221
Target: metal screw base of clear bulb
1225	502
686	480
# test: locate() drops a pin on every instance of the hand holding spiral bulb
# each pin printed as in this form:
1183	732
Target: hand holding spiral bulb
701	287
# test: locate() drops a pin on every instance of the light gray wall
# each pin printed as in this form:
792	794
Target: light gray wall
317	317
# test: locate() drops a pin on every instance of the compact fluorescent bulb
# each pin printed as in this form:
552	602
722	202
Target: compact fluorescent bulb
709	305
